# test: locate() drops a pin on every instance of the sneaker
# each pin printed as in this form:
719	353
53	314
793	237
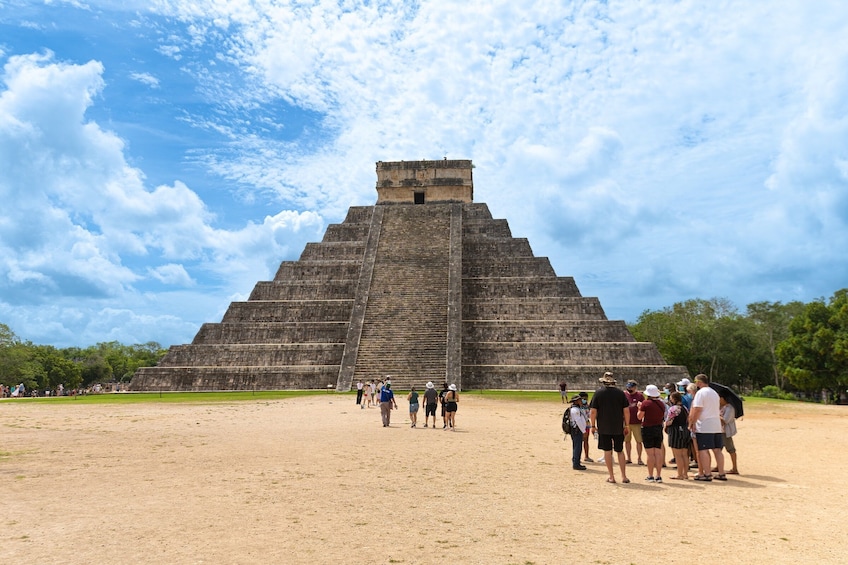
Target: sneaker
658	480
579	467
588	460
649	479
425	425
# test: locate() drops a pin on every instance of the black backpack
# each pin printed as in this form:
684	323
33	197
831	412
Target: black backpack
567	424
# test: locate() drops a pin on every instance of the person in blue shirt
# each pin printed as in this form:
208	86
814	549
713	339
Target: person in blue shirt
387	403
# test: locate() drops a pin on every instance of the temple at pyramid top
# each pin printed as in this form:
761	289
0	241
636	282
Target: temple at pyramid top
424	286
421	182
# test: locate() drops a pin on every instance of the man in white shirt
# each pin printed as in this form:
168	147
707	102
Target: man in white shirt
705	421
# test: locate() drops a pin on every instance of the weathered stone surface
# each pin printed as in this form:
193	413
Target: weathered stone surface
432	291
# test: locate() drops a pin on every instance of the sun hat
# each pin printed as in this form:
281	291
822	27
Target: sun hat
652	391
576	397
684	382
430	384
452	387
607	379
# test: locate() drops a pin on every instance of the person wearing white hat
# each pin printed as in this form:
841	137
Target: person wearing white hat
683	386
651	412
431	402
451	398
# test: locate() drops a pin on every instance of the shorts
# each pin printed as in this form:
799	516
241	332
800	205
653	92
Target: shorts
635	433
430	410
451	407
652	437
609	442
413	408
709	441
728	445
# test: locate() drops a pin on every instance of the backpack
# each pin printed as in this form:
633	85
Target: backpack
567	424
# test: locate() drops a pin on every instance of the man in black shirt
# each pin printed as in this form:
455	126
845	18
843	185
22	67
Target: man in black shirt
609	417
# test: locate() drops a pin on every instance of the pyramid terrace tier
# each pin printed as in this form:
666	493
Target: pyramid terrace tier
248	355
304	290
195	378
289	311
271	332
318	270
578	377
556	308
551	353
540	332
519	287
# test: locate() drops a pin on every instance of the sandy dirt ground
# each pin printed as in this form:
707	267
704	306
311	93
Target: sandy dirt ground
318	480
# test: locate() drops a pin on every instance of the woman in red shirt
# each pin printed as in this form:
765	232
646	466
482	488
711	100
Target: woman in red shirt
651	413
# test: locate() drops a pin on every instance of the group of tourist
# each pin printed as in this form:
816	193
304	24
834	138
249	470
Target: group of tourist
700	425
380	394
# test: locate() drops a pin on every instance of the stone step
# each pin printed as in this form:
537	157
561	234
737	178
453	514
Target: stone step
235	378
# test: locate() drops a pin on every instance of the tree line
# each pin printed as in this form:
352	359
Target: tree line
793	347
44	367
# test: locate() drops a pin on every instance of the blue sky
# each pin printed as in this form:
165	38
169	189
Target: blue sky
157	159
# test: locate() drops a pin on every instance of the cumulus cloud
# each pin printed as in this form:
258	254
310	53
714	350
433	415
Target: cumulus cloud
77	216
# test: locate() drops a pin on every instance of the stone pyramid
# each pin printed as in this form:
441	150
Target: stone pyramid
423	286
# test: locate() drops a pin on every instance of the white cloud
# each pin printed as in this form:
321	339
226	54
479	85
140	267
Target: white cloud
146	78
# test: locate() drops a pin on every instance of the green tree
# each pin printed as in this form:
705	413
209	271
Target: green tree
815	355
771	326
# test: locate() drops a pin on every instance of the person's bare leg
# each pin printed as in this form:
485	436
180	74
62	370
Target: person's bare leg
719	457
622	465
638	452
608	463
682	458
628	447
704	462
733	469
649	461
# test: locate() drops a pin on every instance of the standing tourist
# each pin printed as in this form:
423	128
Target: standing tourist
563	390
431	401
705	421
728	424
442	394
683	387
610	415
387	402
577	420
451	398
359	387
634	397
584	406
652	413
412	397
679	438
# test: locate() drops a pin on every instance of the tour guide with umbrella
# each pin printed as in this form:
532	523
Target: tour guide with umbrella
730	396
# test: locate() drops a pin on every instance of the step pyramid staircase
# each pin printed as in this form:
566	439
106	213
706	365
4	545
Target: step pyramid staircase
423	286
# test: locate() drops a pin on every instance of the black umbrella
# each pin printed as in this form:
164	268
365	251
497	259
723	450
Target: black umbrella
730	396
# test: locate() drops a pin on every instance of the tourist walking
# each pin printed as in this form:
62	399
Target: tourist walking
610	415
412	397
387	402
584	406
563	390
359	387
451	398
651	414
431	401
